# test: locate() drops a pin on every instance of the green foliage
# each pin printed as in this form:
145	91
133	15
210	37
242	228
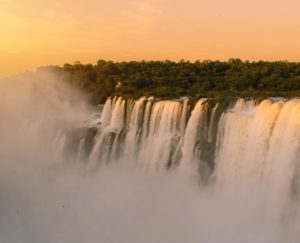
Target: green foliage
173	79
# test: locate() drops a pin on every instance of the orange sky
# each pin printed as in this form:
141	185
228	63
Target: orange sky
35	32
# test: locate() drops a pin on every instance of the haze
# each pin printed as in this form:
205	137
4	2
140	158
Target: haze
36	33
45	197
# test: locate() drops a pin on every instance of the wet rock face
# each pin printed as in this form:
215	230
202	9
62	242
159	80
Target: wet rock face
79	138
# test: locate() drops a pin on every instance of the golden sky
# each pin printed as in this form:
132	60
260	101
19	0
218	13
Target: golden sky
42	32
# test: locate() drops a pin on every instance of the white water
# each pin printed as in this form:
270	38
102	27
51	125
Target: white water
145	170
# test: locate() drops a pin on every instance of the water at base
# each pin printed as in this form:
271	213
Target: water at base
145	170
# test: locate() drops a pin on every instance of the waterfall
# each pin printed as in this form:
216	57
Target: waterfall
190	153
246	145
243	157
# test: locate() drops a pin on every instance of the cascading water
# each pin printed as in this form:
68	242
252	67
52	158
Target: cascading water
256	146
148	170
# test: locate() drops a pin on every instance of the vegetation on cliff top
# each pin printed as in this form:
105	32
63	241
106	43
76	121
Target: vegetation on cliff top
168	79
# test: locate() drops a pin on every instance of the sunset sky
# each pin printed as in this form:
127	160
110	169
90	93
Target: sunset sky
35	33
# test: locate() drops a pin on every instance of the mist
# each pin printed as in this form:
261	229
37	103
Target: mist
46	196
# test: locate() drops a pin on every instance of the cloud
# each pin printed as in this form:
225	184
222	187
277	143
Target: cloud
142	15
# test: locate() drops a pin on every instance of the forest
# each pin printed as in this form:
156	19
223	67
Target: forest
169	79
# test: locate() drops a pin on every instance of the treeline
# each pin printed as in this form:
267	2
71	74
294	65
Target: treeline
168	79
